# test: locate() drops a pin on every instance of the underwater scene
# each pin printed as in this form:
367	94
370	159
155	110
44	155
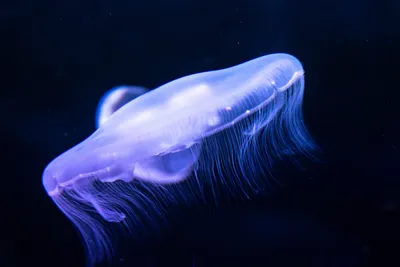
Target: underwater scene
200	133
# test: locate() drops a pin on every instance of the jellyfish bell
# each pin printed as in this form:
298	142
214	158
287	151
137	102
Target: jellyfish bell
163	145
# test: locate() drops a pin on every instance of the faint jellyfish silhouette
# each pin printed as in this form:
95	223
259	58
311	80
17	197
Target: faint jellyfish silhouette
206	134
114	99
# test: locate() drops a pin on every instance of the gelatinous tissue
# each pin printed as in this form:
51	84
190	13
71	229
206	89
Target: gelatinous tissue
204	134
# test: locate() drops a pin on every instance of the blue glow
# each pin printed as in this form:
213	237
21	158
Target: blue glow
208	134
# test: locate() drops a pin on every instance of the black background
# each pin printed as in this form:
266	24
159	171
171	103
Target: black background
59	57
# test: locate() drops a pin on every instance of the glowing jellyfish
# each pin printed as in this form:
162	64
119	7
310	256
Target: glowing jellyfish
200	135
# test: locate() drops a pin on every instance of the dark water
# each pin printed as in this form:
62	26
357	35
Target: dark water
58	58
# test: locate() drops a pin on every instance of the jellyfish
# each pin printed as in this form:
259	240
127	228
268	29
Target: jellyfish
193	140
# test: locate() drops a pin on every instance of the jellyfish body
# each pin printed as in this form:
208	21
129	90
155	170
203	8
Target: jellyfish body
178	141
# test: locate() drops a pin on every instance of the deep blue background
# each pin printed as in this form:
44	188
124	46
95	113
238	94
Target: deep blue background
58	57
